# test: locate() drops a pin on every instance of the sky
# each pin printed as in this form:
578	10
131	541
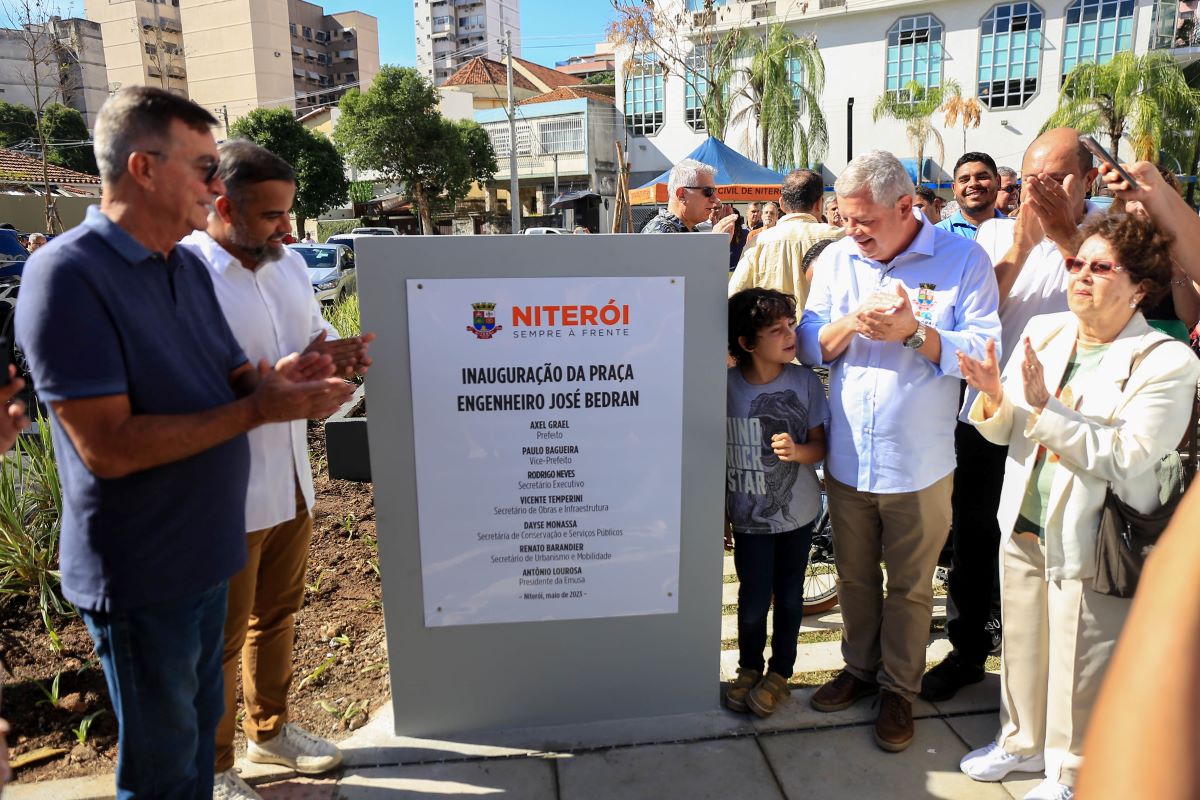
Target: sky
548	33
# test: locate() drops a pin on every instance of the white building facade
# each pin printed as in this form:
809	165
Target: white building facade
1010	54
449	33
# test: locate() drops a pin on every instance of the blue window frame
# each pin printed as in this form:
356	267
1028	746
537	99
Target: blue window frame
1010	55
695	88
914	53
643	97
1096	30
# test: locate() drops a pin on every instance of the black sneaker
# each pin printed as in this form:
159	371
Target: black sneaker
943	681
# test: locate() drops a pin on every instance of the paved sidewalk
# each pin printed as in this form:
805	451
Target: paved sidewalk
797	753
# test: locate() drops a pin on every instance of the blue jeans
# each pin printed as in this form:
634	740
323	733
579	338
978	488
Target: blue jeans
770	564
162	664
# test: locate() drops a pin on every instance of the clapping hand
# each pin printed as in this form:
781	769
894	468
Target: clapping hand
298	387
349	355
1056	206
984	375
1036	393
727	225
887	318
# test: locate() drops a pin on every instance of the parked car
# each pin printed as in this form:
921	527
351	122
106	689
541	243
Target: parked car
546	230
376	231
12	254
331	269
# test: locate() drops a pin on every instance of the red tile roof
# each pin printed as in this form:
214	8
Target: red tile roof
551	77
480	71
19	168
569	93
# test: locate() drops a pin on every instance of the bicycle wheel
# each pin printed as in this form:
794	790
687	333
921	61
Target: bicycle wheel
820	576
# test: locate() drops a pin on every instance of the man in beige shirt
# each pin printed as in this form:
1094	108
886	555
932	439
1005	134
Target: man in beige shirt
777	259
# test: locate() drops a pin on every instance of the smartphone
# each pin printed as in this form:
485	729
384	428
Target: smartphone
1097	149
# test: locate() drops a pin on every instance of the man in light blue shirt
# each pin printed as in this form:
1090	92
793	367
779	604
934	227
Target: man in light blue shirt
890	308
976	187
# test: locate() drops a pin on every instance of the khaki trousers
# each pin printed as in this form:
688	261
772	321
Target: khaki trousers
260	628
1057	645
884	638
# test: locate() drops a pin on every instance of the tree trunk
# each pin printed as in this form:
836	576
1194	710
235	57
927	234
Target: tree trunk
301	222
423	210
762	133
1191	192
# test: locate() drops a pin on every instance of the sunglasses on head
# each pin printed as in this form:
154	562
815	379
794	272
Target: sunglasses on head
707	191
1076	265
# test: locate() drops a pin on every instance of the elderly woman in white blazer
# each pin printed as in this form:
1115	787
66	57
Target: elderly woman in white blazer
1086	404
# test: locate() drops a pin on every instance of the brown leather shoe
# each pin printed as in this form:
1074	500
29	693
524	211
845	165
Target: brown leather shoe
767	696
894	725
842	692
735	697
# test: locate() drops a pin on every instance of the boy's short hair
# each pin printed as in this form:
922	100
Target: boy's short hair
752	310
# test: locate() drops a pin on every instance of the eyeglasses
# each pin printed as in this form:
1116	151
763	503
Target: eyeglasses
1076	265
210	172
707	191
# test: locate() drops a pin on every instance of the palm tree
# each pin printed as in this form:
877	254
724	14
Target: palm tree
784	114
914	105
957	107
1144	98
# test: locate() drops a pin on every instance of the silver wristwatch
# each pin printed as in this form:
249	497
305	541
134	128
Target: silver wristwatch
915	341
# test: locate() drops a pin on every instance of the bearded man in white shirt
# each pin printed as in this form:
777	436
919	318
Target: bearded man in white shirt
267	297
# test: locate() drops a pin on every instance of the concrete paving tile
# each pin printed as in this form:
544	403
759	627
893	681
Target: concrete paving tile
729	568
979	729
525	778
846	763
982	696
798	714
729	592
300	789
375	744
93	787
723	769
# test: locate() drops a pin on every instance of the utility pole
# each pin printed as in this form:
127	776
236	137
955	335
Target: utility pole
514	187
225	116
562	214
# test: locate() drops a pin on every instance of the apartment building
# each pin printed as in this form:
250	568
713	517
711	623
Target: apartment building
232	56
71	69
1010	54
449	33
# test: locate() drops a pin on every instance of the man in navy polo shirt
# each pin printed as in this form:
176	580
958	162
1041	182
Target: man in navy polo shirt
976	186
150	399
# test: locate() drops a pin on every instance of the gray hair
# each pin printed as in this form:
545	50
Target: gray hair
878	172
686	173
1007	172
139	117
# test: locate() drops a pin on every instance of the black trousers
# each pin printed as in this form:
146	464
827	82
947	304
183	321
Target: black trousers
975	563
770	565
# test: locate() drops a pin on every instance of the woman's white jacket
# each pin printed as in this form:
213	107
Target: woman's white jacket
1102	433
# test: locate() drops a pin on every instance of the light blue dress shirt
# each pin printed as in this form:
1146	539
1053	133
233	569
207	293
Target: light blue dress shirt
959	225
892	410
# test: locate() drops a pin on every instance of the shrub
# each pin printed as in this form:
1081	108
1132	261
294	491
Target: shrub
344	316
30	522
332	227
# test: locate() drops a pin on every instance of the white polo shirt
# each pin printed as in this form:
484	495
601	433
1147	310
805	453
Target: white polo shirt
273	313
1040	288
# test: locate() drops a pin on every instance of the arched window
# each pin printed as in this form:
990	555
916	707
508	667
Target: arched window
1095	31
643	97
914	53
1010	55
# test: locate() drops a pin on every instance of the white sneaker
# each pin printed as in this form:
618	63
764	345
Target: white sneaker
1050	789
991	763
296	748
230	786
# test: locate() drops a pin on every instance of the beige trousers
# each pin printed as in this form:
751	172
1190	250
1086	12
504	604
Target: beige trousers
884	638
1058	639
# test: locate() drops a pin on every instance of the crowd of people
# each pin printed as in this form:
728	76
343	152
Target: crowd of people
996	368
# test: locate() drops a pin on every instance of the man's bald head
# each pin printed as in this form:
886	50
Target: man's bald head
1057	152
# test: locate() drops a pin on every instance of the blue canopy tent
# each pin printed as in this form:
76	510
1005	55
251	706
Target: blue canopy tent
738	179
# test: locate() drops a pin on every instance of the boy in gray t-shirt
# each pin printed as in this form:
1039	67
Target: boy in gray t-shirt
775	431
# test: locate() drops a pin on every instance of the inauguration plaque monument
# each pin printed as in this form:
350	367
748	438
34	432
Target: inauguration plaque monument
546	423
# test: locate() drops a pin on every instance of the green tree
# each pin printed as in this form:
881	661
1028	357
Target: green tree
786	114
600	77
66	133
68	140
321	182
1143	98
395	128
915	105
